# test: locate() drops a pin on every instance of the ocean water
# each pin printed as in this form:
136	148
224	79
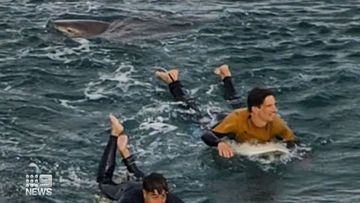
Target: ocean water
56	94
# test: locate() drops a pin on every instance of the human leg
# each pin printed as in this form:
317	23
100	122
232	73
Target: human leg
171	78
117	141
224	73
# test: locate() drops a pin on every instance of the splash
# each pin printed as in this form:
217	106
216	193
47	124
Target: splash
66	54
157	126
105	86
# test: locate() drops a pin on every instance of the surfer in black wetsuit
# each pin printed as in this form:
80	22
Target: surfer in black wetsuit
152	188
258	122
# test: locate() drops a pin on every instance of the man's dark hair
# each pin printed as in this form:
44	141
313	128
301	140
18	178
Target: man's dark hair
257	96
155	181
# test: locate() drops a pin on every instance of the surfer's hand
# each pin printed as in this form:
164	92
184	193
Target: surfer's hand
225	150
290	144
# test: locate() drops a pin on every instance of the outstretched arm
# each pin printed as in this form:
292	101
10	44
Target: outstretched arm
225	128
214	139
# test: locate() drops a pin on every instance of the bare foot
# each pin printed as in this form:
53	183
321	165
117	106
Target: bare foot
168	76
223	71
116	127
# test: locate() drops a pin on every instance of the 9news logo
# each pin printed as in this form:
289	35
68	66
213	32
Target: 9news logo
38	185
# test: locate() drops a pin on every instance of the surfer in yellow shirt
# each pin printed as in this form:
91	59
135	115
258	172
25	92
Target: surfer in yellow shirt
259	122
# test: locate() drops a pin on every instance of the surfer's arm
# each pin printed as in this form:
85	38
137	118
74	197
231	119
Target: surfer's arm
224	128
285	133
210	139
213	139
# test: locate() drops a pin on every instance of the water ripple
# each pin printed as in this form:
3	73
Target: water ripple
57	93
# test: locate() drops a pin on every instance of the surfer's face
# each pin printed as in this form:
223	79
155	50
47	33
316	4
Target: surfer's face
154	196
268	110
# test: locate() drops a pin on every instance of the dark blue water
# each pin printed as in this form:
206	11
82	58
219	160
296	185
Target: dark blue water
56	94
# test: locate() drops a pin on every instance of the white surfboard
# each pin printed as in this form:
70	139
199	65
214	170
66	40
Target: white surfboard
248	149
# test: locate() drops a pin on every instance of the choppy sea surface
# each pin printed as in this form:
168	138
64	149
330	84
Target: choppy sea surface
56	94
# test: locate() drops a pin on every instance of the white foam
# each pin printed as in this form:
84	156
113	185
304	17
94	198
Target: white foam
6	59
7	88
95	94
66	103
154	108
211	89
92	6
194	90
122	75
157	126
61	53
74	176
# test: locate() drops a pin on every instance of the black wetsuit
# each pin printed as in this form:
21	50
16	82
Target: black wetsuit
209	137
125	192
